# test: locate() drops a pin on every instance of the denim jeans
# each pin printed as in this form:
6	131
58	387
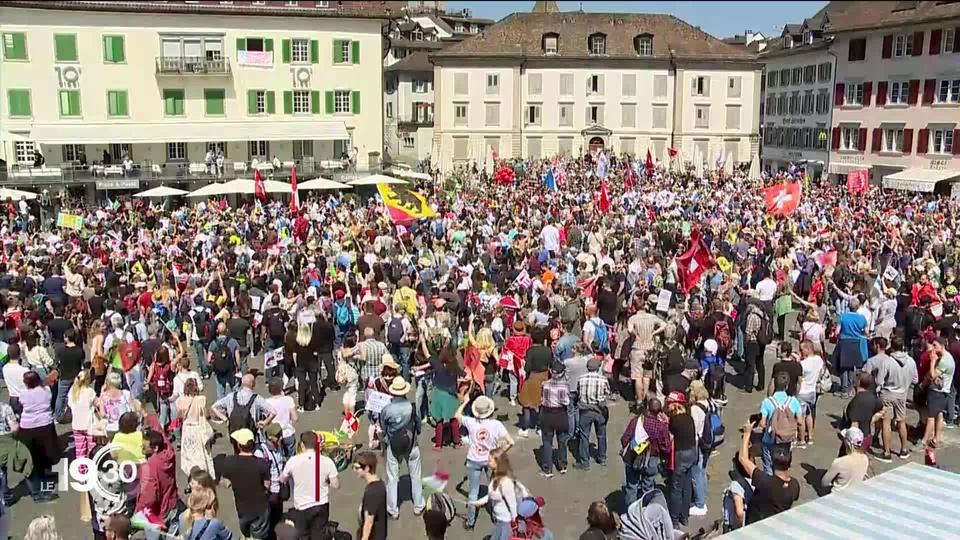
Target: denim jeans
165	410
546	451
639	481
225	383
514	385
475	473
135	380
402	356
63	389
766	456
573	416
948	416
590	418
700	480
289	446
529	418
681	485
423	396
393	481
201	351
846	379
501	531
491	383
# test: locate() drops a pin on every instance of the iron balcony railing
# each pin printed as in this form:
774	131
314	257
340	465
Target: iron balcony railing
186	65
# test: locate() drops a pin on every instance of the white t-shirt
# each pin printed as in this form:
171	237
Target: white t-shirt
180	379
812	366
766	290
484	436
13	375
282	405
812	331
81	408
551	238
302	470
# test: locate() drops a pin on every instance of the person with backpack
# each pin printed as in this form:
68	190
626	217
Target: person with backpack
780	418
644	327
712	370
851	350
249	477
645	444
202	332
345	316
400	426
274	325
757	334
772	492
401	338
593	389
485	434
243	408
223	357
710	431
160	381
505	493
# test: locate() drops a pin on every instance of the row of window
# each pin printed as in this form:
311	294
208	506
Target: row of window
421	112
594	114
788	137
595	85
800	75
937	140
941	92
175	151
909	44
293	50
796	104
597	44
174	102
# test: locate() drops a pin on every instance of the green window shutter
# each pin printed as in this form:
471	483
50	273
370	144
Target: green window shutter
337	52
271	102
213	101
315	101
15	46
108	49
241	44
113	49
285	51
314	51
69	103
173	102
122	103
268	45
355	101
18	102
355	52
179	103
116	103
287	102
251	102
65	47
119	54
328	99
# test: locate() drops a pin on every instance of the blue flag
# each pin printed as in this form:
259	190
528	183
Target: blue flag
550	181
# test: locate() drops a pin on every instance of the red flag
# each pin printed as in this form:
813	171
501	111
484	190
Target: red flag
628	178
857	181
294	196
494	154
782	199
673	152
258	188
649	163
604	203
694	262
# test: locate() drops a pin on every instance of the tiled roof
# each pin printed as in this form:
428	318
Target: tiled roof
418	61
847	16
520	34
410	44
351	9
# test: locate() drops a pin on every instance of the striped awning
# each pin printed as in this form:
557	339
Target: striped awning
913	501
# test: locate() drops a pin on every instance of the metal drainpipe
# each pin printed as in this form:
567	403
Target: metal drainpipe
676	100
833	82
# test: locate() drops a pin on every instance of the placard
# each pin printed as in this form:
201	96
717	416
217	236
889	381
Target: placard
69	221
376	401
272	358
663	300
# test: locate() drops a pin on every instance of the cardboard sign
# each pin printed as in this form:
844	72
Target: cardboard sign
376	401
272	358
69	221
663	300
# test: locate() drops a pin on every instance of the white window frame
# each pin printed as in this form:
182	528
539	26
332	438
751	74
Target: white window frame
301	102
941	140
701	85
903	45
260	100
299	51
71	152
850	138
259	150
701	116
773	79
408	140
645	46
949	36
493	84
534	114
550	44
24	151
598	45
342	102
892	140
593	85
460	119
419	86
176	151
416	34
565	115
950	87
853	94
624	107
292	3
388	109
898	92
596	114
346	48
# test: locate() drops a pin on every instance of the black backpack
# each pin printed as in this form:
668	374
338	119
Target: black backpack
275	325
765	332
395	331
241	417
401	442
221	358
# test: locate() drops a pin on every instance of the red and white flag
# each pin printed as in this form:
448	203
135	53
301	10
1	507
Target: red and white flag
694	262
628	177
782	199
673	152
294	195
649	163
604	203
523	280
258	188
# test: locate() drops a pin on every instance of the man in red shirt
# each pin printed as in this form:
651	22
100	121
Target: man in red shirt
641	471
144	296
158	478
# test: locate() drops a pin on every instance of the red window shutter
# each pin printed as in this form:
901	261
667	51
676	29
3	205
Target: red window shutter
907	141
881	93
918	43
956	142
877	140
835	143
887	47
838	94
914	91
867	93
923	139
929	87
862	140
935	37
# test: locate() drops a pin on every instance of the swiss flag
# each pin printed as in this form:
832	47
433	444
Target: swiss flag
604	203
673	152
294	196
258	188
694	262
782	199
649	164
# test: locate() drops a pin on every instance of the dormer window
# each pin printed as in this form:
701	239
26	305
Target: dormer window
808	37
550	43
598	44
417	35
788	41
643	44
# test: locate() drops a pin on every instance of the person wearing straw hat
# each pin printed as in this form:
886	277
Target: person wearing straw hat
400	427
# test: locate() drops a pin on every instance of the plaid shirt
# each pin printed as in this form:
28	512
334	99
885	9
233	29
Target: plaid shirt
593	389
555	393
754	320
659	433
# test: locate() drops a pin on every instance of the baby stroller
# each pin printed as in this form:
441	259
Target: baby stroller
648	519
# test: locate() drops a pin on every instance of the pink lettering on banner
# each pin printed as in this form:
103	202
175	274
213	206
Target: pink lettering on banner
858	181
255	58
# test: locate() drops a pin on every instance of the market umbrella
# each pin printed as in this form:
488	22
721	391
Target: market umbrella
247	186
16	194
210	190
407	173
321	184
375	179
754	174
161	191
697	163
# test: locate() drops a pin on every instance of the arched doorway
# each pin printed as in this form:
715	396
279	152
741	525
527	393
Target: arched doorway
596	143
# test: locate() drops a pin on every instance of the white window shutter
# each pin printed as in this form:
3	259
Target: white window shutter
600	85
706	86
693	87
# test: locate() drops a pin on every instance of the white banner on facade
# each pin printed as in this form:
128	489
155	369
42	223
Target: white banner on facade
255	58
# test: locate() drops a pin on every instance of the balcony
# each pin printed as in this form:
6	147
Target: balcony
192	65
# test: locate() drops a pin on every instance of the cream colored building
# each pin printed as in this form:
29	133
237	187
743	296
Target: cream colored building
540	84
164	82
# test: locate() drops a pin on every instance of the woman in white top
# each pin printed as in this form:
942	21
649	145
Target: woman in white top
503	495
286	414
812	330
80	400
813	366
184	373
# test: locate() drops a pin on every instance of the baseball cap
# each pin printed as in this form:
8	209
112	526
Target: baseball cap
242	436
273	430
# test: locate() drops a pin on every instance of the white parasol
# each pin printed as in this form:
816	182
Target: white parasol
754	174
407	173
16	194
161	191
375	179
321	184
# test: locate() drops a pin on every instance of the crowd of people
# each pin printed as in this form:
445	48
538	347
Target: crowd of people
616	284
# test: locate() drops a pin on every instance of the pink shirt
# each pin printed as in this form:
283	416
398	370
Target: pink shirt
36	408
